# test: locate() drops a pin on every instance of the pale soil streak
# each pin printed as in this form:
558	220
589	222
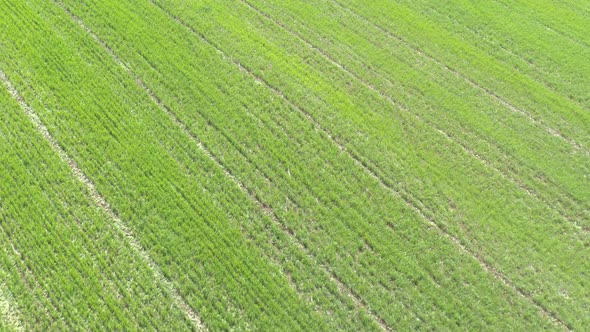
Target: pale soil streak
102	203
475	85
359	303
467	150
35	283
411	201
8	311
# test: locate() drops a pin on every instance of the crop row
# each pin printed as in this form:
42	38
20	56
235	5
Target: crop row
206	234
355	117
520	41
95	134
483	146
565	17
264	133
449	103
61	262
119	138
556	110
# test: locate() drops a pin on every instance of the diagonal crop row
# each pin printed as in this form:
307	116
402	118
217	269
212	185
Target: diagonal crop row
530	116
102	203
565	19
537	181
225	44
26	276
343	288
561	70
376	246
534	179
522	65
543	107
292	251
409	201
358	302
551	168
511	174
159	190
166	84
69	268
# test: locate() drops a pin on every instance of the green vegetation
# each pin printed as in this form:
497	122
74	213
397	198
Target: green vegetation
288	165
64	265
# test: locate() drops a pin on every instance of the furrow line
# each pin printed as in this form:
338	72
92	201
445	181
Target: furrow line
538	69
8	312
510	177
27	271
268	211
474	84
359	303
410	202
581	43
100	201
416	205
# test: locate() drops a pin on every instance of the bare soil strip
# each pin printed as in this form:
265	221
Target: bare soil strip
8	312
102	203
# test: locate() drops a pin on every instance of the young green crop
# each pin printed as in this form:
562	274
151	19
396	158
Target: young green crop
61	261
149	62
551	56
121	140
317	174
254	49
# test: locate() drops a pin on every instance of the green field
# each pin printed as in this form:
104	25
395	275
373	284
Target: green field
294	165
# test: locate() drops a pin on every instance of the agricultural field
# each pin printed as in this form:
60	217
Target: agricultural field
272	165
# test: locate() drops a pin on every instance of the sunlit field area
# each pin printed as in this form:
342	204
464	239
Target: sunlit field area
271	165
